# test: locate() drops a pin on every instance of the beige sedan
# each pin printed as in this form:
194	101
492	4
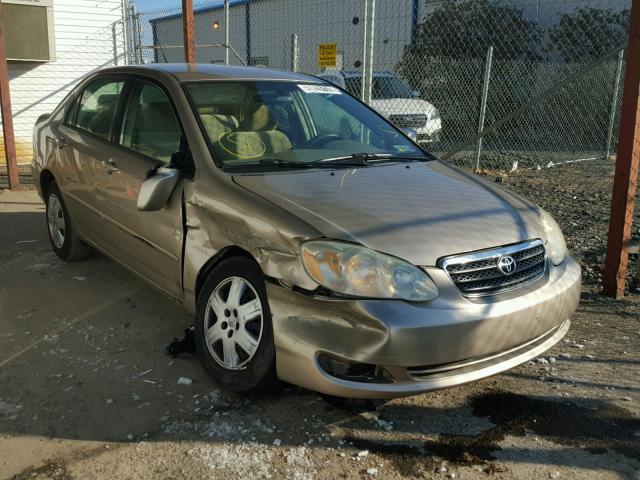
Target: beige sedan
356	266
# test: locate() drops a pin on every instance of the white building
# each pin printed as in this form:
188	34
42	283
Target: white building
51	45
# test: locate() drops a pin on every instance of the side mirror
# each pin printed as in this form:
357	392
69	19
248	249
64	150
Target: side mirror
156	190
411	133
417	93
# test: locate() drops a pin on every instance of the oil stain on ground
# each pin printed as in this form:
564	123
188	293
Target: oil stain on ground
597	430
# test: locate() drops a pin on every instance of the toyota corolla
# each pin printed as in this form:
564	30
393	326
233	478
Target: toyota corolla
359	266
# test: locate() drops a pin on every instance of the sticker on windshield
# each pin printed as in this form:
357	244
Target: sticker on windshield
325	89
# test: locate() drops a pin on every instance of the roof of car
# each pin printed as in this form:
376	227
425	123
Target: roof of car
198	71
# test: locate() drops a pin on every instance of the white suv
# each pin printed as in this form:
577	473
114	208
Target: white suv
391	97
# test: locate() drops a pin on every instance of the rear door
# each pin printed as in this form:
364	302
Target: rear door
148	242
83	141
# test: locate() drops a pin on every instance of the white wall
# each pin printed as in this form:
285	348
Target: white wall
85	42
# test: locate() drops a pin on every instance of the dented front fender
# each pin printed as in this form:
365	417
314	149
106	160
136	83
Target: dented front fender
221	214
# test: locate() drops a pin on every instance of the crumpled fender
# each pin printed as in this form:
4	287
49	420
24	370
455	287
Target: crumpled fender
240	219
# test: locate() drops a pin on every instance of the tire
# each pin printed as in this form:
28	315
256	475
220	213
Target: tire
64	240
234	338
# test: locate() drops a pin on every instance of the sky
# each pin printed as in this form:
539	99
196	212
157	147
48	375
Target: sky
143	5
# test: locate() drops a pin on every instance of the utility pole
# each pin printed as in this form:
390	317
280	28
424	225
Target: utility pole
627	162
7	118
188	32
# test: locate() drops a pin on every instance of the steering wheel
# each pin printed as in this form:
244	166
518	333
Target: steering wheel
322	140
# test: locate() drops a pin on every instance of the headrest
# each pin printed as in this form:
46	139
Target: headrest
107	98
159	116
257	117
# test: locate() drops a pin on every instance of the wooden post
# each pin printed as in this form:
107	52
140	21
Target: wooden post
628	159
7	118
188	32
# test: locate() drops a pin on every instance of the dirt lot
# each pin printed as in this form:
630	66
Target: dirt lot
86	391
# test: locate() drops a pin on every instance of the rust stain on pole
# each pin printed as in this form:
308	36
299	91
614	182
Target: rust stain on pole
188	31
5	106
626	176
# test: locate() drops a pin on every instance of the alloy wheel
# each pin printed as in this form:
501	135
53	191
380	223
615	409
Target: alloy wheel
233	323
55	220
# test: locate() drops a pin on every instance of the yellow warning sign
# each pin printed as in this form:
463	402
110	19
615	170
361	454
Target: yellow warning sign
327	53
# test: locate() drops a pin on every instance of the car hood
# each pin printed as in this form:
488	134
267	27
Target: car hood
395	106
419	211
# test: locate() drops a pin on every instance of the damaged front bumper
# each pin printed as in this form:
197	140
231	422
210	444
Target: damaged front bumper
385	349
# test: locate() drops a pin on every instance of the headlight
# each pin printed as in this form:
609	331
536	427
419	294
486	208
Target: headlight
555	239
353	270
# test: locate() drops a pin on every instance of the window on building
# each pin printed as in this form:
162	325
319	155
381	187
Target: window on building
28	31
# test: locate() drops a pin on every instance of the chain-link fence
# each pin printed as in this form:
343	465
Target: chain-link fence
541	78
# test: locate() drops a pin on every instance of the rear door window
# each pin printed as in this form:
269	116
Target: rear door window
97	106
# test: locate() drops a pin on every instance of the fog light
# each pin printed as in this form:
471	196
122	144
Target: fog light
353	371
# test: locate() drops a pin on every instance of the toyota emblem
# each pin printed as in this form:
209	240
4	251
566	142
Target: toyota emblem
506	265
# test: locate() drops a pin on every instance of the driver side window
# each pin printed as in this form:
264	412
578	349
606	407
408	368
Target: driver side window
150	125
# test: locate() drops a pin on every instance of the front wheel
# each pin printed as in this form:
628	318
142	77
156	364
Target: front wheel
234	333
64	239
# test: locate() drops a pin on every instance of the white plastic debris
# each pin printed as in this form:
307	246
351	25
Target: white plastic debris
363	453
372	471
109	400
277	442
80	279
184	381
542	361
626	399
555	474
130	437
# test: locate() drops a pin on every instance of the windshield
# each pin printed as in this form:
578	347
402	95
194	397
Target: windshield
252	121
382	87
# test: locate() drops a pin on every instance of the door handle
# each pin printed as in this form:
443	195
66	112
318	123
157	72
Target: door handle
110	165
61	142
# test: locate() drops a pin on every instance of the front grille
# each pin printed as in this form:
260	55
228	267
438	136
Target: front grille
478	274
410	120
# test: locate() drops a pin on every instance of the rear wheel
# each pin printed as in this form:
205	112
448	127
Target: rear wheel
234	333
64	240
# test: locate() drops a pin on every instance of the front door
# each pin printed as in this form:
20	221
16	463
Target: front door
149	242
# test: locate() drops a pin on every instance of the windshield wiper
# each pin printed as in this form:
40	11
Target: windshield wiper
364	159
269	162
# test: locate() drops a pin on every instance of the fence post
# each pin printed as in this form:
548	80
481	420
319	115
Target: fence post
614	102
226	32
367	65
138	40
294	52
187	32
7	118
131	37
627	162
483	103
